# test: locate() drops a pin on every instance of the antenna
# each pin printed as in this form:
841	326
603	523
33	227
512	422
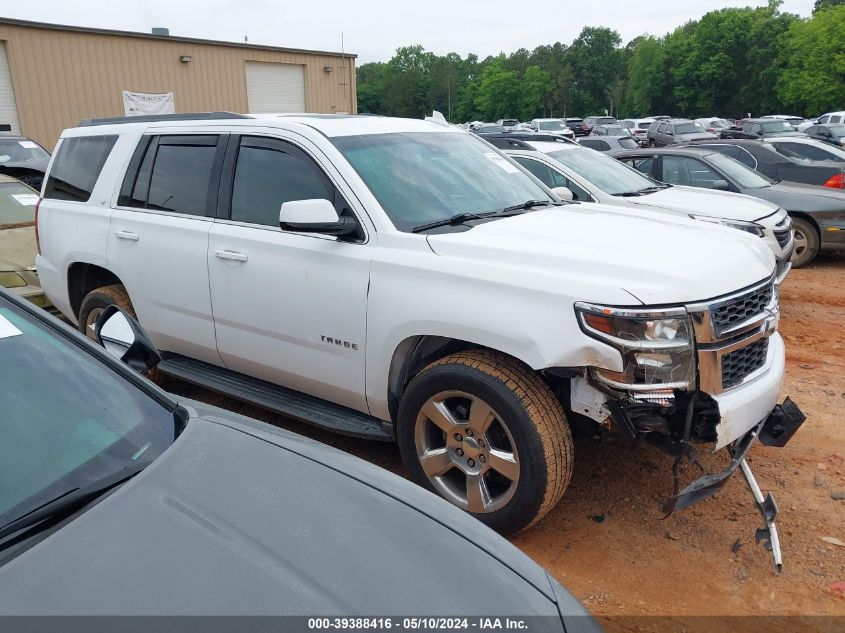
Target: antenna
246	37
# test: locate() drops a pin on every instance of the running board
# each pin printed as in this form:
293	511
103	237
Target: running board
286	402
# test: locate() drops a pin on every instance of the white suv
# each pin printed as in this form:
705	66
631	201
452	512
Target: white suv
404	281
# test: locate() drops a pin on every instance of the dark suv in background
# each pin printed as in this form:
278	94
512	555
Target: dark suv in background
765	128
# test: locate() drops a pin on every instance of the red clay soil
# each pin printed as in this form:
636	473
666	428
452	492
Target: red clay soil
607	540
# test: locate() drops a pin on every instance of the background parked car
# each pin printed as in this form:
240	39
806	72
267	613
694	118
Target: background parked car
638	129
597	178
818	213
714	125
608	143
662	133
590	122
764	128
574	124
508	123
807	148
23	159
206	512
611	130
17	241
552	126
794	121
829	133
829	117
763	157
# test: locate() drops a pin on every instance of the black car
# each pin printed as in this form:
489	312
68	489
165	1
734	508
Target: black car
833	134
765	128
23	159
590	122
574	124
117	498
778	165
818	213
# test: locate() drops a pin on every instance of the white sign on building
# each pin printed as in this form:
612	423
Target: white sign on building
139	103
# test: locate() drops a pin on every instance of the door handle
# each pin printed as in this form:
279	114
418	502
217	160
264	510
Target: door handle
127	235
231	255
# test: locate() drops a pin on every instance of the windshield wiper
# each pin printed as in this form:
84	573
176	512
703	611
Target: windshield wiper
70	500
641	192
528	204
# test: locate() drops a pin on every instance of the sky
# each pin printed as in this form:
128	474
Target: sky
373	29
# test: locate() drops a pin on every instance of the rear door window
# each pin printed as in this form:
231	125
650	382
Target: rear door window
77	166
596	144
177	174
835	119
628	143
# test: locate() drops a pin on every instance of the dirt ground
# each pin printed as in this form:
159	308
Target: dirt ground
607	540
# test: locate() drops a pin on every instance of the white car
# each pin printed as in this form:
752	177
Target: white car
557	127
404	281
639	129
829	117
593	177
714	124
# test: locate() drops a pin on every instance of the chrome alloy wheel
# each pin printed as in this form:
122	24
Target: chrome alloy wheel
467	452
800	244
91	323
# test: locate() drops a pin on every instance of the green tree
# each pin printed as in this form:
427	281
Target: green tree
498	91
826	4
813	60
646	77
596	63
535	88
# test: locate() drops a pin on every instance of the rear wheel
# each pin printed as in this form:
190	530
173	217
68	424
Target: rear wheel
486	433
806	242
98	300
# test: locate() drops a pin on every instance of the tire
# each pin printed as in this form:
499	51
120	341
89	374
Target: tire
806	242
98	300
511	444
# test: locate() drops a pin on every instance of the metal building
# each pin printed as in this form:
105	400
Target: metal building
53	76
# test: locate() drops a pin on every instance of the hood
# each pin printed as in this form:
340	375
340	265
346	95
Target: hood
707	202
695	136
660	258
800	197
236	520
17	248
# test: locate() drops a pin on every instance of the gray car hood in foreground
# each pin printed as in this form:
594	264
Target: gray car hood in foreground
794	196
239	518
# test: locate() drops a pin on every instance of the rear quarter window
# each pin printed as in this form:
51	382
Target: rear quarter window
77	166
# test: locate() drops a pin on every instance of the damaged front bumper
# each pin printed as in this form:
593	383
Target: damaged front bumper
775	430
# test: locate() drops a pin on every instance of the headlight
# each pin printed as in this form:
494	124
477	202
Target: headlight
11	280
656	346
748	227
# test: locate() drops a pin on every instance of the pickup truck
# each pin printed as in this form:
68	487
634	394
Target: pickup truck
405	281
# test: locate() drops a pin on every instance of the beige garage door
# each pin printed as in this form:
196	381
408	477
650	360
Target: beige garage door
272	87
8	107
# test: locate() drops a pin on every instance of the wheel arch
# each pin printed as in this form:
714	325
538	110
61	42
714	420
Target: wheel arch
82	278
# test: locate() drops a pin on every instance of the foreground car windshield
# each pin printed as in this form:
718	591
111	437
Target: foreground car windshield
744	176
606	173
68	420
17	204
424	177
689	128
20	150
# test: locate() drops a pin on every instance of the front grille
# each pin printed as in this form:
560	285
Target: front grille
737	365
783	237
739	309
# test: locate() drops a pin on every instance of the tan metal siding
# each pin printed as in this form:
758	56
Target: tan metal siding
61	77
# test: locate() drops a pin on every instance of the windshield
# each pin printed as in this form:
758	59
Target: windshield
776	126
67	419
744	176
606	173
689	128
20	150
17	204
552	125
423	177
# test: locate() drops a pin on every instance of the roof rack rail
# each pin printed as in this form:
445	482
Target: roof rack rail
150	118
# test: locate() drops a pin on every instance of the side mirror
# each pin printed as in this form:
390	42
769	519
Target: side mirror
721	185
564	193
316	216
123	338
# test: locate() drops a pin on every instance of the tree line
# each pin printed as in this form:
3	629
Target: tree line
728	63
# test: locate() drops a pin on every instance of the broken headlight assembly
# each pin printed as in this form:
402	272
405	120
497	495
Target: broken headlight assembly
656	346
748	227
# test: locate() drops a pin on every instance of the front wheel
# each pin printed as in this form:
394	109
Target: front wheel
806	242
486	433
